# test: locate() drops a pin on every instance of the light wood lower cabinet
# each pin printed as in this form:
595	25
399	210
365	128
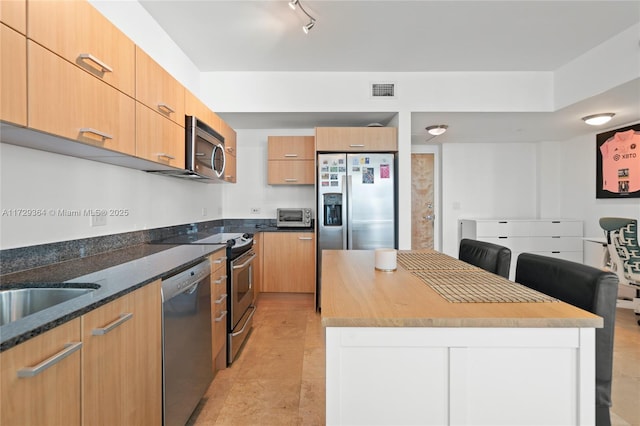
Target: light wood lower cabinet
289	262
158	138
258	264
219	311
51	397
122	360
13	76
66	101
14	14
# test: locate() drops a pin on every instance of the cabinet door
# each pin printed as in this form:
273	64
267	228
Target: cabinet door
79	106
157	89
158	138
14	14
13	75
257	264
51	396
356	139
283	172
194	106
79	33
121	364
291	148
289	262
230	145
230	168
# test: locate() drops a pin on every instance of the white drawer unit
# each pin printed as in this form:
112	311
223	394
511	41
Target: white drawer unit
561	238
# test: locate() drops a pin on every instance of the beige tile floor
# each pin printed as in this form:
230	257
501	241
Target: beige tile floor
279	376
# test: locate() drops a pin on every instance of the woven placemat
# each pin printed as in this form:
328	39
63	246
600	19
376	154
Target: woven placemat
479	287
431	260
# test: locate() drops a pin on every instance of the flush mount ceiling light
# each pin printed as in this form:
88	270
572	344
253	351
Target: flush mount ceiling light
437	130
598	119
312	21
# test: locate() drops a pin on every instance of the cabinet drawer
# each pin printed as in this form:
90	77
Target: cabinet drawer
218	259
530	244
291	148
78	107
219	309
503	228
158	138
13	74
79	33
282	172
157	89
557	228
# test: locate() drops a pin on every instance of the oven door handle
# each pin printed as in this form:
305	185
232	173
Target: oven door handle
245	323
245	263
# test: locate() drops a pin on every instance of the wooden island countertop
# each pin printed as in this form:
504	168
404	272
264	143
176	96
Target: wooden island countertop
355	294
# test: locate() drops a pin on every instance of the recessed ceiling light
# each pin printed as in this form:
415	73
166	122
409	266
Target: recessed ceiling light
598	119
437	130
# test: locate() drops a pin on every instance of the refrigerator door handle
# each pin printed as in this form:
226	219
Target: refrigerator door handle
349	244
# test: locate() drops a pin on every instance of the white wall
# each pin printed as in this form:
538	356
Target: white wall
34	179
486	181
251	189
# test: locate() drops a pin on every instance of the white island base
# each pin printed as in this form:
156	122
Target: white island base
460	376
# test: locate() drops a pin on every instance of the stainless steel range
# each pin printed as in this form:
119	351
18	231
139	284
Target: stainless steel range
240	258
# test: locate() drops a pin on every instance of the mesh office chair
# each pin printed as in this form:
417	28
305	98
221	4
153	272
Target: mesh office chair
624	253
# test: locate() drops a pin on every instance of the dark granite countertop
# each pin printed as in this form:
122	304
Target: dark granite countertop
117	273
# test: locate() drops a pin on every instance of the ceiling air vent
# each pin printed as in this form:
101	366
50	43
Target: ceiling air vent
383	90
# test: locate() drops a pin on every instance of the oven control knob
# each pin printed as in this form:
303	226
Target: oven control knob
247	235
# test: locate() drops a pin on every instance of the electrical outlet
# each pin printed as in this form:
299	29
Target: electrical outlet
98	220
255	210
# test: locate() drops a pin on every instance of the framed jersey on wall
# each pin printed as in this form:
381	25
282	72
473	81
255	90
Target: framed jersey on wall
618	163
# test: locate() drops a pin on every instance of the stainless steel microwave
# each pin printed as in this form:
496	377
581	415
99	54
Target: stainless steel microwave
294	218
204	153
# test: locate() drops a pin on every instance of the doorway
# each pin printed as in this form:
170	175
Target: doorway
422	201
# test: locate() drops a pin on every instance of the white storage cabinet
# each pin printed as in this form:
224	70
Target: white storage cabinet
561	238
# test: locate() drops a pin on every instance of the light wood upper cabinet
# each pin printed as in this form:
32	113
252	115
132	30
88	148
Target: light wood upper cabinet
13	75
289	262
158	138
291	160
356	139
51	397
14	14
78	106
194	106
230	137
79	33
122	360
157	89
291	148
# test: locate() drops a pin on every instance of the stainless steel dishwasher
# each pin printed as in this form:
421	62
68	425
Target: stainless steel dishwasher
186	341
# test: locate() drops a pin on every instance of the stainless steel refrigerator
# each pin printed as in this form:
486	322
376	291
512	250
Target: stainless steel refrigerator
357	203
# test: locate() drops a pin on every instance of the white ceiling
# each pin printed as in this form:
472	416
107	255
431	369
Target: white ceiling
403	36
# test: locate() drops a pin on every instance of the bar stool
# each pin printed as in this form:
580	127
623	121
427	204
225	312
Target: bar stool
488	256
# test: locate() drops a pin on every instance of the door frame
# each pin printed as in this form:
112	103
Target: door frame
437	185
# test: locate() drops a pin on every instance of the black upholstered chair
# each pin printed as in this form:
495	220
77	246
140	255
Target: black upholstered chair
488	256
588	288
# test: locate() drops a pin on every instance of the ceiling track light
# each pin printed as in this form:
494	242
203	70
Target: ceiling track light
437	130
598	119
312	21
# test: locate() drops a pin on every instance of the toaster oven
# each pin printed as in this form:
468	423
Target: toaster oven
294	218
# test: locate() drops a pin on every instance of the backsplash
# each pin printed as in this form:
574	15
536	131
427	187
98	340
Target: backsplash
24	258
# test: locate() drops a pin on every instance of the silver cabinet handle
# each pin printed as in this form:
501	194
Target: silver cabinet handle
291	180
222	315
165	155
230	148
166	108
104	67
103	135
219	301
228	176
69	348
357	145
104	330
220	280
291	155
305	238
220	260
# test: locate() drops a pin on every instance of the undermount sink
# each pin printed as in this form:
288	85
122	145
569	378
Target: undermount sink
17	303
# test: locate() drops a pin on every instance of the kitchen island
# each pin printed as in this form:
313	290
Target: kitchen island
399	352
